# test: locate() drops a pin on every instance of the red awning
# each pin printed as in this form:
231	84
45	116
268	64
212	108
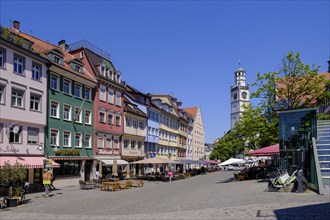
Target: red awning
266	151
29	162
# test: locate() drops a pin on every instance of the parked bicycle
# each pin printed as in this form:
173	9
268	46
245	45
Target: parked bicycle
284	180
267	174
25	190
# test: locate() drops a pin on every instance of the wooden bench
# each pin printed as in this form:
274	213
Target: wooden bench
137	183
125	185
113	186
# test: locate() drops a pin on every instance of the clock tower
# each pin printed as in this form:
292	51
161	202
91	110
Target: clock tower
240	95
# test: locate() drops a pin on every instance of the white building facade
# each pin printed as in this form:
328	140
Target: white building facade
240	96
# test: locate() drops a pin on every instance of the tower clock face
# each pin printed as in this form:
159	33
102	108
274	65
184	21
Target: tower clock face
244	95
235	96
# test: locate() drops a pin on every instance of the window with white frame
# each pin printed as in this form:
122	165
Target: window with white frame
77	140
133	143
32	135
110	117
88	93
118	98
88	116
67	86
66	138
54	82
77	115
77	90
102	115
111	95
15	137
116	142
36	71
67	112
139	145
17	98
2	57
88	139
1	132
118	119
141	125
135	123
111	75
102	70
54	109
57	59
54	137
126	143
100	140
102	93
128	122
19	63
108	141
2	94
35	102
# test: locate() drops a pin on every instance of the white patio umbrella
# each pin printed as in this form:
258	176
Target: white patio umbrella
232	161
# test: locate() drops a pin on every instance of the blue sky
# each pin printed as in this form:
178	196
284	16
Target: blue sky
188	49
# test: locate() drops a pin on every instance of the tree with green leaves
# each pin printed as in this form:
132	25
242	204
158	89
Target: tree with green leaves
256	129
293	86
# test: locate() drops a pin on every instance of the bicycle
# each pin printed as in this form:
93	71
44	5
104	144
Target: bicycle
23	193
267	174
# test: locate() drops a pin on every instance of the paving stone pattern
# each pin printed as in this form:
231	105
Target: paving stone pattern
212	196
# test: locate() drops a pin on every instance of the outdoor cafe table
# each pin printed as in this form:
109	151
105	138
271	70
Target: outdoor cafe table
114	186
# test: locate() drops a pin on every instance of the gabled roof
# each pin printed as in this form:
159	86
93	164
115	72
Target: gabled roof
137	111
44	48
192	111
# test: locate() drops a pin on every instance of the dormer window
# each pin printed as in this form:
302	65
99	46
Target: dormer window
102	70
56	56
57	59
76	65
77	68
110	74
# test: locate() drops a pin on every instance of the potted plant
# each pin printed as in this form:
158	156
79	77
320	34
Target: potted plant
12	178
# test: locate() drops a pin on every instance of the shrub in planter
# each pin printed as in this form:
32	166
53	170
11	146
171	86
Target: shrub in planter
12	177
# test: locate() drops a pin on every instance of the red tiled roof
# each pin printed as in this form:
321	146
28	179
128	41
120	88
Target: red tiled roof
44	48
192	111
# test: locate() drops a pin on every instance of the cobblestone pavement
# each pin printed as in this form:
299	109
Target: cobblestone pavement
212	196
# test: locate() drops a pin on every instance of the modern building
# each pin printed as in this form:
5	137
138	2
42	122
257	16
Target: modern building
23	102
240	95
108	101
197	133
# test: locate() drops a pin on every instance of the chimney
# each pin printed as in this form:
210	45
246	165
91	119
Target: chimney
63	45
329	65
16	25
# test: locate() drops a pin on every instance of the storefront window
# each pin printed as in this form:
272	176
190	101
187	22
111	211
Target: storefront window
68	168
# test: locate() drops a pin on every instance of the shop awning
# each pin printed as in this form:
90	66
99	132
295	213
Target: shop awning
156	160
110	162
29	162
266	151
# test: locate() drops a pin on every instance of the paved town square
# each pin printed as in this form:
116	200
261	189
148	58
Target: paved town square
212	196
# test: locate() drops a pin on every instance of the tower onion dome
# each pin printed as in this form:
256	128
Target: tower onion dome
239	69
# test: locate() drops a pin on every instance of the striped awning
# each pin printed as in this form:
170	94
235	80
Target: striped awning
29	162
